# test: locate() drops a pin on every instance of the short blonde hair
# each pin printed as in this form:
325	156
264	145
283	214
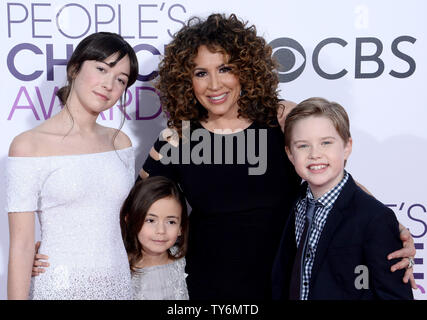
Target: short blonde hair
318	107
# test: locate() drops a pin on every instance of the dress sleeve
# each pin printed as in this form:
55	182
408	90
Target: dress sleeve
129	160
23	184
156	167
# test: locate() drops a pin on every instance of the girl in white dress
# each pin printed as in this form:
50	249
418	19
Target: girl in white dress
75	174
154	227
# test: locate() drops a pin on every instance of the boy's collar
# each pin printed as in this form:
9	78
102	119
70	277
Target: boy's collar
329	197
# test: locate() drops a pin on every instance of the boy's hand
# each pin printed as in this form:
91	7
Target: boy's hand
37	264
408	251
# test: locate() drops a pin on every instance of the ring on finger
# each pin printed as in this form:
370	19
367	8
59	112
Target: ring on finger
411	263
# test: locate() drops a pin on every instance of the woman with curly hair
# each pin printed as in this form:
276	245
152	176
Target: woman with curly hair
218	87
246	58
218	75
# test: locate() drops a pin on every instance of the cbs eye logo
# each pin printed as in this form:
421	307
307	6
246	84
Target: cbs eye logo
288	54
292	58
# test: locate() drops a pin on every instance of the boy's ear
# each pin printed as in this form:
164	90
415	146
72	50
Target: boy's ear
290	156
348	148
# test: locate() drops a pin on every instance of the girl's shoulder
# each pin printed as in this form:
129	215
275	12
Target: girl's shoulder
38	141
26	144
180	263
121	139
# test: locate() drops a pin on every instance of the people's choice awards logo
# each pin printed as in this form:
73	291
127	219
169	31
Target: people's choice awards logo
53	30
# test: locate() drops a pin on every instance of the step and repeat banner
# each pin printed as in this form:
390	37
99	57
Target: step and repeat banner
370	56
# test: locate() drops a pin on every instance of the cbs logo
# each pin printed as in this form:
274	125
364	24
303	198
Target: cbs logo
292	58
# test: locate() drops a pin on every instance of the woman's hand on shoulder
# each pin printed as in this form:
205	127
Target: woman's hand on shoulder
23	145
283	110
170	135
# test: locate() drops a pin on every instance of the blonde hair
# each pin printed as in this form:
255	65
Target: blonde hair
318	107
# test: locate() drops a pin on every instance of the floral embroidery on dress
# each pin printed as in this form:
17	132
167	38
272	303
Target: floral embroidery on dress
164	282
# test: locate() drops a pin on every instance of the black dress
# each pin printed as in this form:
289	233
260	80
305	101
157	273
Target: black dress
237	218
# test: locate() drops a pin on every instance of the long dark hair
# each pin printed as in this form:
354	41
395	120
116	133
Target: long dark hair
99	46
134	210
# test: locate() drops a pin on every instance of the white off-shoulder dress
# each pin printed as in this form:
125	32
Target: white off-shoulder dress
78	200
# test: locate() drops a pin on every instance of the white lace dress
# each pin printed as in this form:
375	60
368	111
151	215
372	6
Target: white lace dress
78	200
164	282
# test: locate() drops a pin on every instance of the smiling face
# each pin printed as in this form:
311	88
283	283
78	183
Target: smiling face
161	228
318	153
214	84
98	85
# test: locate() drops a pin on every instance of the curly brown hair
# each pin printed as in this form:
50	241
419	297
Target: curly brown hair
248	54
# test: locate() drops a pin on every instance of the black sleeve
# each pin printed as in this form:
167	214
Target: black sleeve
156	167
382	239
